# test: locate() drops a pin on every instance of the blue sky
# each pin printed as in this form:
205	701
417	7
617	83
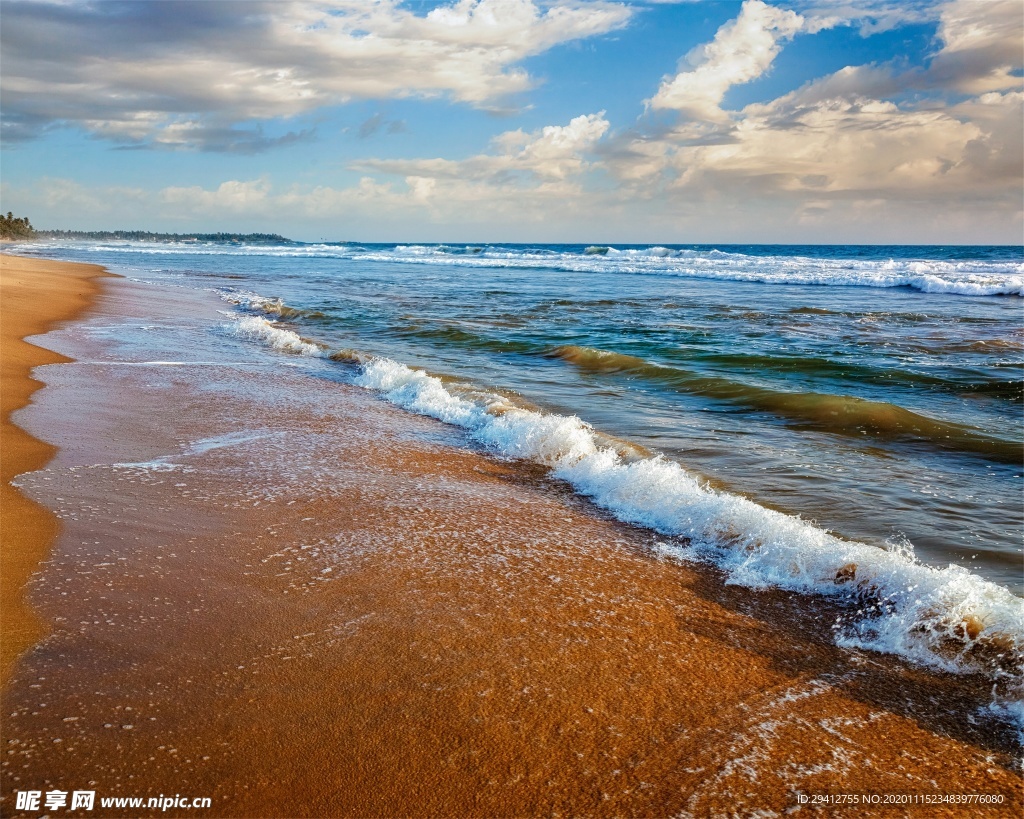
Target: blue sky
518	120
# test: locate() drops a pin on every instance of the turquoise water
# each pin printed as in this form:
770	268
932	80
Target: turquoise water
875	391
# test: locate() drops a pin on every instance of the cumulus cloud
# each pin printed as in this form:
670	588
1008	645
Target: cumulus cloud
526	177
65	199
521	180
852	148
232	196
555	153
851	135
981	46
742	51
131	70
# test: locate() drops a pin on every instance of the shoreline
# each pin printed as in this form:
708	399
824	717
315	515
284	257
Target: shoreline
280	592
35	298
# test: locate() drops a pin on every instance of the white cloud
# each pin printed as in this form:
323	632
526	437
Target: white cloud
528	178
981	46
232	197
62	202
152	70
789	153
553	154
523	180
869	16
851	134
742	50
837	147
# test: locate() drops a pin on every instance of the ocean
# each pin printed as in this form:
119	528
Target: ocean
839	421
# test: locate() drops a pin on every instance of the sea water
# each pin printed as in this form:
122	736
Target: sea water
836	420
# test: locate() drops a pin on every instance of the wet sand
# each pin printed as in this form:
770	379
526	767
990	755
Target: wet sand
273	590
35	296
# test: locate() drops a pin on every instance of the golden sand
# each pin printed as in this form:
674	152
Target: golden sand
35	295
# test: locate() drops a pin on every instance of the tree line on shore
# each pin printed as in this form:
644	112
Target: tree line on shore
149	236
13	227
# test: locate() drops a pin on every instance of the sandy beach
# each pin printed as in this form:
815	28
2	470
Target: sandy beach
276	591
35	296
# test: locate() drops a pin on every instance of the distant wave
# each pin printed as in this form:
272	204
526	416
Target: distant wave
961	381
961	277
945	618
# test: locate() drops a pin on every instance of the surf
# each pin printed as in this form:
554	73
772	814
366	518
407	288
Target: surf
945	618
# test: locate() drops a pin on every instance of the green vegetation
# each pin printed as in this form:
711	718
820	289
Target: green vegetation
148	236
11	227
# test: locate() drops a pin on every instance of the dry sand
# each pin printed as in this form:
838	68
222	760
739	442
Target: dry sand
35	295
351	616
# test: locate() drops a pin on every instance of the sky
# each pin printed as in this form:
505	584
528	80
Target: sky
799	121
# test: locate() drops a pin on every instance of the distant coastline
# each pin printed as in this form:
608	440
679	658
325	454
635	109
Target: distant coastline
149	236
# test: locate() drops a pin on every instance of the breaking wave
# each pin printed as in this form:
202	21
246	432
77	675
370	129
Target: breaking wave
947	618
258	329
270	307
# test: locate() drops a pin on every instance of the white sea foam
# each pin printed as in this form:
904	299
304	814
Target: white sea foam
948	277
200	447
250	300
259	329
255	302
1010	709
205	445
962	278
920	612
156	465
